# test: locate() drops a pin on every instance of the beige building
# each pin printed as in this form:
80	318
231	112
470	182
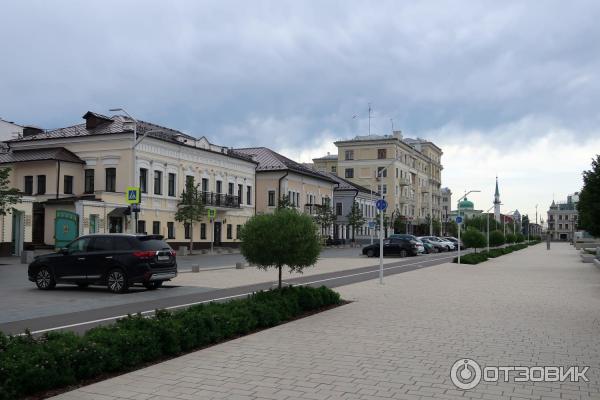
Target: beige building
409	170
562	218
76	178
278	176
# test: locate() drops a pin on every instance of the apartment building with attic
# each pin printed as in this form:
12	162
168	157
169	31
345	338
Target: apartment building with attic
74	181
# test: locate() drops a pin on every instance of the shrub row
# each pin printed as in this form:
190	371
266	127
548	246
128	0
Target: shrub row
476	258
29	365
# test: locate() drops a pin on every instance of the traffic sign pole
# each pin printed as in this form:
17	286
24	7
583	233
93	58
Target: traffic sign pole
381	206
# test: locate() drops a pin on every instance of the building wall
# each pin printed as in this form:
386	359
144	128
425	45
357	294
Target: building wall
326	165
367	205
9	130
6	225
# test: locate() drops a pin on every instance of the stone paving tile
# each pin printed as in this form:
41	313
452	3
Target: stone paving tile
399	340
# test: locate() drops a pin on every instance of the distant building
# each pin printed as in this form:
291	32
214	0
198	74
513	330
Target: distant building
466	209
497	203
563	217
407	172
9	130
446	204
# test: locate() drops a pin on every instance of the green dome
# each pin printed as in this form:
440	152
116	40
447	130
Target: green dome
466	204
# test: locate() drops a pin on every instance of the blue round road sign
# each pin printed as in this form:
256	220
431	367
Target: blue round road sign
381	204
459	219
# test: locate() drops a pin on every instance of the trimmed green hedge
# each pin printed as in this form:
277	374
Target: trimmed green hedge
476	258
58	359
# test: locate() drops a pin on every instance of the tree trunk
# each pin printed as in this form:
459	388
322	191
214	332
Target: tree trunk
191	237
279	267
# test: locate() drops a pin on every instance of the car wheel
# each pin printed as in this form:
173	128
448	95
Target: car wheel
153	285
403	253
83	285
44	279
370	253
116	281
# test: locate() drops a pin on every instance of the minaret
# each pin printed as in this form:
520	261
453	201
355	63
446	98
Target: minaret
497	203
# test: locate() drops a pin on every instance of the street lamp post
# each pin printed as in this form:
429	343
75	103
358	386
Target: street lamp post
458	211
379	174
487	217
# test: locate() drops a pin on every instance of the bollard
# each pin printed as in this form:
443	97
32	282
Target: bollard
239	265
196	268
27	257
547	242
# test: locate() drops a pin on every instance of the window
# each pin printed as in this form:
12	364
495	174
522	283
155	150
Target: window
41	184
219	187
187	230
349	154
89	181
349	173
249	195
111	179
240	196
202	231
297	204
171	185
381	154
229	231
141	226
230	189
143	180
29	185
338	209
204	184
79	246
271	198
68	189
567	226
101	243
382	172
333	169
170	230
238	231
157	182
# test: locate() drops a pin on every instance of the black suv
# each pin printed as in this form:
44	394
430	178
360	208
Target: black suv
393	246
115	260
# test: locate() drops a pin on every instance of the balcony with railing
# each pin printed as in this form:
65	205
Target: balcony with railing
404	181
220	200
313	209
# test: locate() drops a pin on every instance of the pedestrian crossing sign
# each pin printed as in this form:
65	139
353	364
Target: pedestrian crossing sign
132	196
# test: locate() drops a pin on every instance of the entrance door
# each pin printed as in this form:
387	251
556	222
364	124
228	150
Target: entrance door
65	227
38	223
18	234
217	234
115	224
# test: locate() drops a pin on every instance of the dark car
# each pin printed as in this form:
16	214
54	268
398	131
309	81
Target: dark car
394	246
116	260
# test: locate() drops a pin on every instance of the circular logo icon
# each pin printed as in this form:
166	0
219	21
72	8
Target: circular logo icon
465	374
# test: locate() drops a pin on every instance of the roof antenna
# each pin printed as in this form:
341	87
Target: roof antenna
392	121
370	109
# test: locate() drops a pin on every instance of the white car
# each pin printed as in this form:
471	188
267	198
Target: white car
446	243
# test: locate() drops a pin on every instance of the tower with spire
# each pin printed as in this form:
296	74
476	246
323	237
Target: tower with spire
497	203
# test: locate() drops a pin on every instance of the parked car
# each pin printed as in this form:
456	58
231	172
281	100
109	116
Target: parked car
432	246
394	246
115	260
447	244
420	245
453	240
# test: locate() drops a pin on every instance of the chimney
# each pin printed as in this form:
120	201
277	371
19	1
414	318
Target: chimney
92	120
397	134
31	131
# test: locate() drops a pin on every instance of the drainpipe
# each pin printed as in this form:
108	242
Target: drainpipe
279	189
354	228
57	178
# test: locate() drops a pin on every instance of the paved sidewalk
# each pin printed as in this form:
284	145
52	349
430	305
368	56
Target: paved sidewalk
399	341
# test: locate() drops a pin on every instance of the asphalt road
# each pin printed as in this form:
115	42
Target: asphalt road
81	321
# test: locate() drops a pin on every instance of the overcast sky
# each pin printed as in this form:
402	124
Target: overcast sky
503	88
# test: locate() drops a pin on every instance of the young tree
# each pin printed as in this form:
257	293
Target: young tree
356	219
589	200
325	217
451	228
8	196
497	238
473	238
190	208
510	238
285	237
285	202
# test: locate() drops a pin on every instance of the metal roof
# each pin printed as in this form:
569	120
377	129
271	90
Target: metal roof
52	153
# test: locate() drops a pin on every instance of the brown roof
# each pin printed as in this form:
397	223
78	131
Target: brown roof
344	184
52	153
269	160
